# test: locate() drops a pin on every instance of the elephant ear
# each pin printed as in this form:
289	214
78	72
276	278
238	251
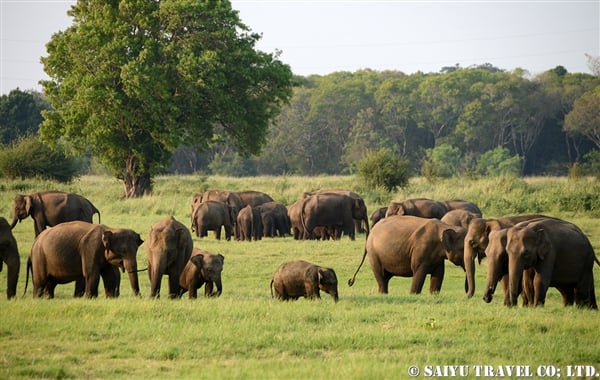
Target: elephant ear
450	238
198	261
542	243
29	204
106	240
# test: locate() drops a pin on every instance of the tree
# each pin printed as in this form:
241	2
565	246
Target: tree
382	168
585	117
20	114
133	80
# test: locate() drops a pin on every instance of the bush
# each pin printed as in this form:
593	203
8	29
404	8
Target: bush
497	162
383	169
29	158
442	161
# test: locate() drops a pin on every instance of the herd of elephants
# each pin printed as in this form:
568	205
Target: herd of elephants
527	254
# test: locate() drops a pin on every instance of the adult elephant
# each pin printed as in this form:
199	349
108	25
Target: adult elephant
212	215
459	217
294	212
9	255
333	210
74	250
202	268
275	219
50	208
360	227
249	223
560	255
409	246
168	248
459	204
254	198
497	264
230	198
421	207
477	238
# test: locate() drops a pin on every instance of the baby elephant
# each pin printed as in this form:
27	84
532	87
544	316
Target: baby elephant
297	279
202	267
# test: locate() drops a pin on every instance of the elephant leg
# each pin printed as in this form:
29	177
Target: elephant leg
174	288
48	289
79	288
208	289
436	279
540	288
227	233
418	281
91	285
504	284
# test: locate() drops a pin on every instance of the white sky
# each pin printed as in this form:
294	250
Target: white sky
320	37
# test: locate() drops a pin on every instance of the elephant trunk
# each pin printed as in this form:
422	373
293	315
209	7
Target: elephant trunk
219	287
15	220
131	268
515	273
469	262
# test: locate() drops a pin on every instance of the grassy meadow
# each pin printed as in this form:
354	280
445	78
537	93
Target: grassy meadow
246	334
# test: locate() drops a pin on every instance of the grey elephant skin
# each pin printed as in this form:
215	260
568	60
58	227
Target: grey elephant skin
359	223
77	250
249	223
275	219
497	264
214	216
229	198
169	246
254	198
333	210
202	268
429	208
560	255
409	246
296	279
9	255
50	208
476	242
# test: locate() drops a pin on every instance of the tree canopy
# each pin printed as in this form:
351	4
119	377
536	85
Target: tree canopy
133	80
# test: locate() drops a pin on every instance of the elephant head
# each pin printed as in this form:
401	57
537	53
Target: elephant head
475	244
497	261
209	267
328	282
359	212
453	242
22	208
121	248
525	247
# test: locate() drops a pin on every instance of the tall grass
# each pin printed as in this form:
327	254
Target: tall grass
247	334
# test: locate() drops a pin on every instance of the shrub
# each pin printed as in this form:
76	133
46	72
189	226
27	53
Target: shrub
497	162
442	161
383	169
28	158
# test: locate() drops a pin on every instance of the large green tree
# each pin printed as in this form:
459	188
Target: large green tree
20	114
133	79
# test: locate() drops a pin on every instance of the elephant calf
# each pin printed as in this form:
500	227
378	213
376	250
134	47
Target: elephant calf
201	268
297	279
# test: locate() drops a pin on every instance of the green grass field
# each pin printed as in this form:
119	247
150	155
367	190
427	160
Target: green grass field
246	334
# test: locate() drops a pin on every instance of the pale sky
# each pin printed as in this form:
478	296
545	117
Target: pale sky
321	37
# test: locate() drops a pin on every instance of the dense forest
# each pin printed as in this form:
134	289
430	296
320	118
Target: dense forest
462	114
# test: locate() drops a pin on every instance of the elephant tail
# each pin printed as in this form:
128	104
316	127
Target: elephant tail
29	268
272	280
596	260
351	281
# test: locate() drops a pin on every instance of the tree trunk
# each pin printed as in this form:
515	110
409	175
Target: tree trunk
136	182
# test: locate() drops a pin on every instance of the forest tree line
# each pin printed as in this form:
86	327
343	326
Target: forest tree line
332	121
